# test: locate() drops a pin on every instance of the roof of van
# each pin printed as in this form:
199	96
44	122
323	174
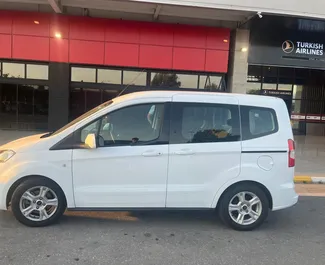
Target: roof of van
169	94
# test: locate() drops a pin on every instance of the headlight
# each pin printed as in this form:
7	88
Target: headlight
5	155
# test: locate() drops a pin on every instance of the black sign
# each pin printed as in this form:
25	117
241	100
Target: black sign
280	46
277	93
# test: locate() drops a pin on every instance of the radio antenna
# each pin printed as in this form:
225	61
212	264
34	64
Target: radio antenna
127	86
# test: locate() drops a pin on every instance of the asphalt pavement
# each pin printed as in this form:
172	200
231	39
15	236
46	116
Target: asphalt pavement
294	236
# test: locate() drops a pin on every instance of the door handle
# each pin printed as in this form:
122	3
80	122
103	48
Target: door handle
151	153
185	152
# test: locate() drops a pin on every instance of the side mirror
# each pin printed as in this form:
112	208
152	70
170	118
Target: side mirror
91	141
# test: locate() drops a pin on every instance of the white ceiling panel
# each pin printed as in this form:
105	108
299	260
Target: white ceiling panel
133	10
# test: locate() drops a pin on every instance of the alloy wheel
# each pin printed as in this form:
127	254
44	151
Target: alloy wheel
245	208
38	203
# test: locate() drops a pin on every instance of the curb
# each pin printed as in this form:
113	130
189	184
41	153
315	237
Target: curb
309	180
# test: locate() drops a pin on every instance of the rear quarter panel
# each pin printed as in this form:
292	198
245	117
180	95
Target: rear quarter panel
265	159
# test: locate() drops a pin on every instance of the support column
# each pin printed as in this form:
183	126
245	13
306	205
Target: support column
59	74
238	65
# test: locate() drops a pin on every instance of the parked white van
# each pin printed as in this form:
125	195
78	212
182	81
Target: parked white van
157	150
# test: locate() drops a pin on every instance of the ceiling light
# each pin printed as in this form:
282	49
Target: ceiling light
36	22
225	40
244	49
58	35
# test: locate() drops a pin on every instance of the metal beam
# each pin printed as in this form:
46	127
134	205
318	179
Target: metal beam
56	5
156	13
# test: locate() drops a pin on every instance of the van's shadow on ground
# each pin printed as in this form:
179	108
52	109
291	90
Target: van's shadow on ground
309	212
305	213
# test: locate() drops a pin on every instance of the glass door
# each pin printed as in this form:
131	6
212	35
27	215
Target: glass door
23	107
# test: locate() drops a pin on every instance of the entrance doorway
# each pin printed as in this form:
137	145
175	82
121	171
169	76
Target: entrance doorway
83	99
24	107
303	91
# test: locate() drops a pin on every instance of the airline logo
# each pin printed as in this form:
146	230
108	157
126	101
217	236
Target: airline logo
288	46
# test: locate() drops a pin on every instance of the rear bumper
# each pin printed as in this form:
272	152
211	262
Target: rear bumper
284	197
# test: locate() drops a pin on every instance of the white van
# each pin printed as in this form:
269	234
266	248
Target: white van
157	150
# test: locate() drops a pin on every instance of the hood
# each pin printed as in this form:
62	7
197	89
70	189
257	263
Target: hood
22	144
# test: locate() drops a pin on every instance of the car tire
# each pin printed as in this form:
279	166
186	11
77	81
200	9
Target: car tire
238	201
37	209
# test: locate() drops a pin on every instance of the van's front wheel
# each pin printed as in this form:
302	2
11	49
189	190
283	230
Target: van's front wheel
244	207
38	202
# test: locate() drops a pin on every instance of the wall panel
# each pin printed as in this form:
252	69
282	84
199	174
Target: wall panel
84	40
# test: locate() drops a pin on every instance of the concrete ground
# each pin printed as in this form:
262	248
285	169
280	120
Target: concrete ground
294	236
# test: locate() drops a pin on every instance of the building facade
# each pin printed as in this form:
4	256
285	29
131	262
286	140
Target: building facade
59	59
289	62
54	68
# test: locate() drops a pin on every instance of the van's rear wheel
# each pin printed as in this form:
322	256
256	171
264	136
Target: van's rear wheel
38	202
244	207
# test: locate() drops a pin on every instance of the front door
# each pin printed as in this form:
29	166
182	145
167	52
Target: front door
205	149
129	167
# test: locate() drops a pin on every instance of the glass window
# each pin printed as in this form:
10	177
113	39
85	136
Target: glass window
35	71
254	78
269	83
80	74
298	107
188	81
286	72
302	73
254	88
134	78
254	74
24	107
270	78
131	125
313	107
174	80
165	80
13	70
202	123
91	128
258	122
210	82
297	91
285	87
84	116
298	127
8	106
92	98
270	71
109	94
109	76
76	103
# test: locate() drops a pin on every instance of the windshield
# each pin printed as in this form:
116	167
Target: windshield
83	116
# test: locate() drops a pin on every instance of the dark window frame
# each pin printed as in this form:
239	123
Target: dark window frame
25	80
148	71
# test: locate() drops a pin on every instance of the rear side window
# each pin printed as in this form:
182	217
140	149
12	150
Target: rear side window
257	122
204	123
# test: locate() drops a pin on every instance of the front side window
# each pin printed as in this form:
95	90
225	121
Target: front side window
202	123
140	124
84	116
